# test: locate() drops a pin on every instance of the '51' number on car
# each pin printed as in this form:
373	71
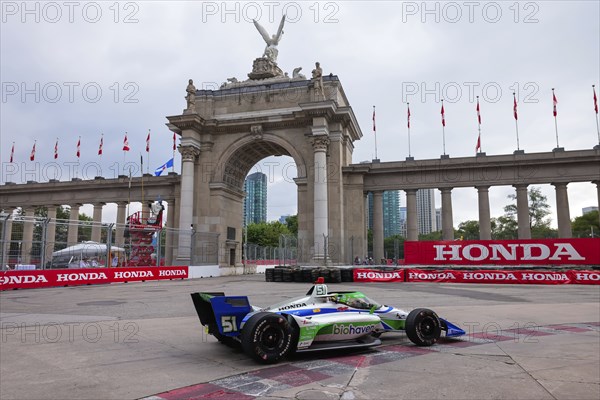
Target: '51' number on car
229	323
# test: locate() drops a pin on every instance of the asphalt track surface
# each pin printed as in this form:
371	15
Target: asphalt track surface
144	340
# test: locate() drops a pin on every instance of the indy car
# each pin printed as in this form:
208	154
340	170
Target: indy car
321	320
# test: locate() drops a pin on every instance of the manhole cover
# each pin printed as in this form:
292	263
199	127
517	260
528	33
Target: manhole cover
102	303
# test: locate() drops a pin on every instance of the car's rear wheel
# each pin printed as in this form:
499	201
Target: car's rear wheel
423	327
268	337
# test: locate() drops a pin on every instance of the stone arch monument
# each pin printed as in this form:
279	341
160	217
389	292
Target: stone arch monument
225	132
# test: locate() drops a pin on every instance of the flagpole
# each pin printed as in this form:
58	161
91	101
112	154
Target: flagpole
408	126
595	109
148	146
516	119
142	169
375	132
443	129
555	123
174	147
479	126
124	152
56	156
78	154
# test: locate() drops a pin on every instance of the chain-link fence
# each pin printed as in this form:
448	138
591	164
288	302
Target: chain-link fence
28	242
285	254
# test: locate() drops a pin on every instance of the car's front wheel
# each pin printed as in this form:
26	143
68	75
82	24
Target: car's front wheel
268	337
423	327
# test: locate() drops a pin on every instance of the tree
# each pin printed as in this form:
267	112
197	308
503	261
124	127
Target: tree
437	235
389	243
539	209
468	230
292	224
584	225
266	233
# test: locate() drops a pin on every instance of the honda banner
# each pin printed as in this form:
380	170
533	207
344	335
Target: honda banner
504	252
71	277
371	275
504	276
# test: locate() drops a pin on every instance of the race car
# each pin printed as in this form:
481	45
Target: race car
318	321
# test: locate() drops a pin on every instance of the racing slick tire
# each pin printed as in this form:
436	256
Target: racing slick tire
423	327
268	337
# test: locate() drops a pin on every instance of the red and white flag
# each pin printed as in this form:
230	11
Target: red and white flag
443	115
101	144
595	100
148	142
374	129
408	115
79	148
478	113
12	152
478	145
515	107
32	155
554	103
174	142
56	149
125	143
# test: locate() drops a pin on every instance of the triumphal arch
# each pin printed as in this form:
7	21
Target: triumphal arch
225	132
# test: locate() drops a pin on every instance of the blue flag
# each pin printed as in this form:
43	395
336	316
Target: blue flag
159	170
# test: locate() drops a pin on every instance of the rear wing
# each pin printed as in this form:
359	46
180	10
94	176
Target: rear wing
220	313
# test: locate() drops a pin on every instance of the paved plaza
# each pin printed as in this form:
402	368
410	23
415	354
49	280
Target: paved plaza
144	340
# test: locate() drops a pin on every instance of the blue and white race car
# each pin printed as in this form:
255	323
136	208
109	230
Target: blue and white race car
318	321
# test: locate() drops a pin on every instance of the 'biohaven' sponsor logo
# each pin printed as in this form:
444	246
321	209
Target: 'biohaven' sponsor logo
18	279
352	330
379	275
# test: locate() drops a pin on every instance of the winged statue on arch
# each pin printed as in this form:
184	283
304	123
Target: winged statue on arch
272	41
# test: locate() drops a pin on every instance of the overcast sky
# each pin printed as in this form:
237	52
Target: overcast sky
105	67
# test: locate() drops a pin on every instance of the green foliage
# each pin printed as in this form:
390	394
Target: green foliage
437	235
539	209
468	230
583	226
266	233
388	245
292	224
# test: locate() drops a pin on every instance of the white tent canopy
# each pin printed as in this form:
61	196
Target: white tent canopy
87	249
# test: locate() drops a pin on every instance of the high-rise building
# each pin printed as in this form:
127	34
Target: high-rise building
391	212
255	203
403	221
426	211
438	218
586	210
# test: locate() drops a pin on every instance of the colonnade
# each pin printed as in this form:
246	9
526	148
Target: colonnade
485	231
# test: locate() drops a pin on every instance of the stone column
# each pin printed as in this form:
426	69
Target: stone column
321	225
447	223
169	235
485	223
6	236
562	211
73	225
524	229
120	225
50	234
412	228
189	154
378	248
27	242
97	223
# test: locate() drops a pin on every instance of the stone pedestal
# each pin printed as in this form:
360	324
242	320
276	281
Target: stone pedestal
263	68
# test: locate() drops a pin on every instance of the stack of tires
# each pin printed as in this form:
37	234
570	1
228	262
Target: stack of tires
309	275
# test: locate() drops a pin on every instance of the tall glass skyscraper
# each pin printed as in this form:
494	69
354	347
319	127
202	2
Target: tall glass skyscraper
255	203
391	212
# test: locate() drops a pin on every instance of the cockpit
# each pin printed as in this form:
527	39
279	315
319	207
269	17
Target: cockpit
356	300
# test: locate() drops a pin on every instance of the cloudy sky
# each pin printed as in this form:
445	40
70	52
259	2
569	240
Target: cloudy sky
93	68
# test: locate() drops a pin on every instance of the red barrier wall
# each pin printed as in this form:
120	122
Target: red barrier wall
72	277
504	252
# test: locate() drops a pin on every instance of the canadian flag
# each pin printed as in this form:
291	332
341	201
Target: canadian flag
125	143
56	149
12	152
374	128
478	114
515	107
478	145
148	142
79	148
554	103
174	142
595	100
443	115
101	144
408	115
32	155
